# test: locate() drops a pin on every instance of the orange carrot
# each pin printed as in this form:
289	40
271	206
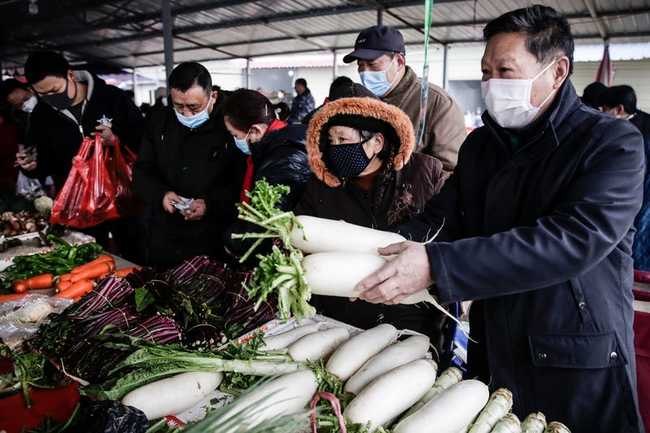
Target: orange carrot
98	270
63	285
12	297
76	290
43	281
65	277
125	271
20	286
100	259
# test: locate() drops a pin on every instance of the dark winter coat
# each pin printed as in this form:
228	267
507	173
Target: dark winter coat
280	159
641	246
301	106
201	163
543	234
57	135
399	192
445	124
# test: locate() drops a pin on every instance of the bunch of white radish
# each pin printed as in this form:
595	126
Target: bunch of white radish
390	378
349	250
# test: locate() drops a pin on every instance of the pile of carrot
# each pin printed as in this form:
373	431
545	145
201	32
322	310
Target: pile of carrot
75	284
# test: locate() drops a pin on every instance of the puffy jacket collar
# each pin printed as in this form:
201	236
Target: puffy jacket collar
89	79
291	135
364	107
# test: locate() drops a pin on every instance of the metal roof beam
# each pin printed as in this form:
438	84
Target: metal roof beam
151	16
266	19
453	41
598	21
287	16
313	35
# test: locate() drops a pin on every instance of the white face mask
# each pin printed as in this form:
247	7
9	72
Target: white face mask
508	100
29	104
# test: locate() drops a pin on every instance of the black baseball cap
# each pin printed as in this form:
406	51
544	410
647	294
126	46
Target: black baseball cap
375	41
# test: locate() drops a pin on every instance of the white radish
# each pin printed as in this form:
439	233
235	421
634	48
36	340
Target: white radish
534	423
450	412
283	340
172	395
352	354
285	395
393	356
337	274
319	235
498	406
319	345
508	424
385	398
449	377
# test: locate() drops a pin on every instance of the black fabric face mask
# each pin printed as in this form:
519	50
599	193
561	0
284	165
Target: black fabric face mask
348	160
60	101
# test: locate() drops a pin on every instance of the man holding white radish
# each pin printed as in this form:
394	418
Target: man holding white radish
538	232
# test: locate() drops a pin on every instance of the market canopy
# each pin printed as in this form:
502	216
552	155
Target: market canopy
128	34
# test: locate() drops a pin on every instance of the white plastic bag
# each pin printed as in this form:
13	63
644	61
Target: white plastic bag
20	319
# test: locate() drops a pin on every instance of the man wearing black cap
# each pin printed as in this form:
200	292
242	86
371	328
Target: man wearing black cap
380	54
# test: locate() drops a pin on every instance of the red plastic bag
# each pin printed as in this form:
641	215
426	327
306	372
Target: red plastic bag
98	187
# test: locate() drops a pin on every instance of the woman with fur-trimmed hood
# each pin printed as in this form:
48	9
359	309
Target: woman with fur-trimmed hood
365	172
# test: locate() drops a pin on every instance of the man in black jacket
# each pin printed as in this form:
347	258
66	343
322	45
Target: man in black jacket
74	104
620	102
303	103
189	172
77	104
538	232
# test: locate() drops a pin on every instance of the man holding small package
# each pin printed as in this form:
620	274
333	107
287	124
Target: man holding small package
188	173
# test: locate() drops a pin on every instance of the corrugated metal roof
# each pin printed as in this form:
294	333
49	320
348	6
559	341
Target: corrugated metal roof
129	33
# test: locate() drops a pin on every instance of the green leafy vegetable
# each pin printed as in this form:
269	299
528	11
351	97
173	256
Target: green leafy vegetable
281	273
235	383
151	363
61	260
263	211
30	370
223	420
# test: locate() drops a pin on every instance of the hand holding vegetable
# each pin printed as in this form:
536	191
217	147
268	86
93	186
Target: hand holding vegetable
406	274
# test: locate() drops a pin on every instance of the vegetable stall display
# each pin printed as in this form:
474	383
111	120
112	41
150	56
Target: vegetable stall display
153	344
62	259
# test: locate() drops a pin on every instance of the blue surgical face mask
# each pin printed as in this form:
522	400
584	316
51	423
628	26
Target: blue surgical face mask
194	121
376	81
242	144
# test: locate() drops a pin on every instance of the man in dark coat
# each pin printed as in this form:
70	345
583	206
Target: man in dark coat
74	104
592	95
303	103
188	154
620	102
538	233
